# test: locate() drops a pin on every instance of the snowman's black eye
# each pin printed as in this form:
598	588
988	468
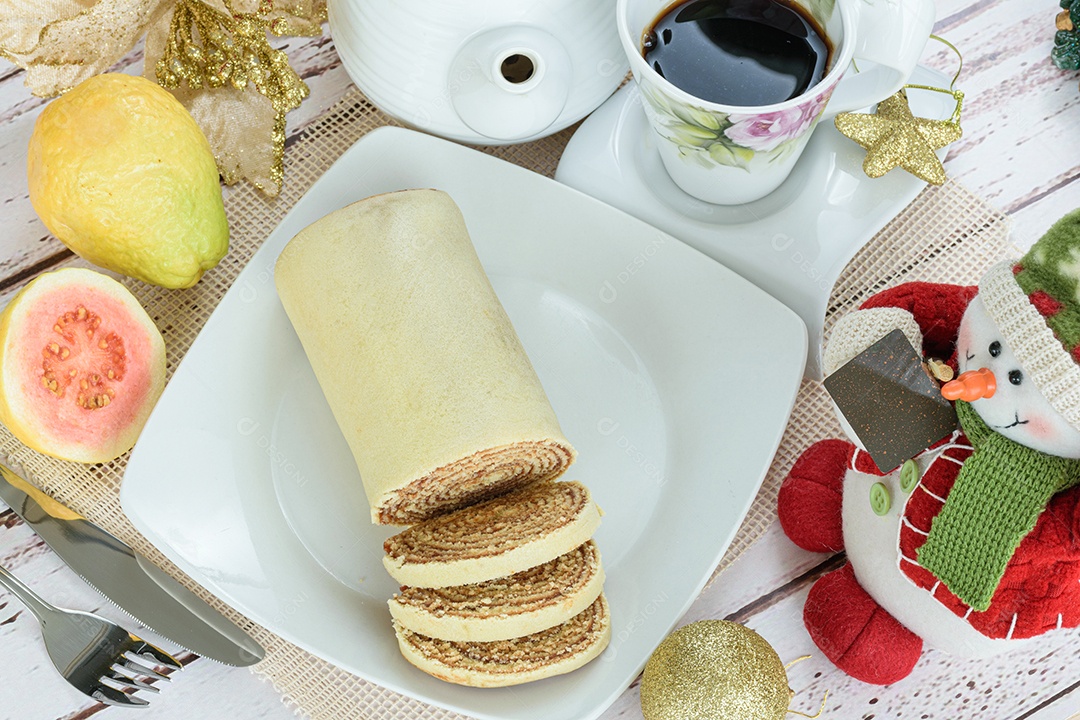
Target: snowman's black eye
1016	377
995	349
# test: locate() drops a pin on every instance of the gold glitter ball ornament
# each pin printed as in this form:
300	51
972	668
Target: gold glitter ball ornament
714	670
893	137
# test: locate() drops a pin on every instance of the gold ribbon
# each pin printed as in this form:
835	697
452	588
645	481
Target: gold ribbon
213	55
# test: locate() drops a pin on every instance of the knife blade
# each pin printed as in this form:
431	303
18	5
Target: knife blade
133	583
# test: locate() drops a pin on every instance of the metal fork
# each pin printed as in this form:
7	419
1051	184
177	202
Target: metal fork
98	657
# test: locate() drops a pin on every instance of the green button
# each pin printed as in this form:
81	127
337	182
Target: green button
909	476
880	501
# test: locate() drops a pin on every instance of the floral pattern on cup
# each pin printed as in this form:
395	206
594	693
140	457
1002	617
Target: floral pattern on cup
709	138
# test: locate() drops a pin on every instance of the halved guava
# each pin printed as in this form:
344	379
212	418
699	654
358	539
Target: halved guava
81	366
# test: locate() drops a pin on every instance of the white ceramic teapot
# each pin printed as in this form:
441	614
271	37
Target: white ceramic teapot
482	71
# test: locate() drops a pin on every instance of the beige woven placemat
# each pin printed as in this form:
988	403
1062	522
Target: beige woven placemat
947	234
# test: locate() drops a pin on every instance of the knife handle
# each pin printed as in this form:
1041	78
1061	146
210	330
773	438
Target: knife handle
50	506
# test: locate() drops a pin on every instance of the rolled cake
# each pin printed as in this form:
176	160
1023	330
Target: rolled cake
522	604
416	357
549	652
494	539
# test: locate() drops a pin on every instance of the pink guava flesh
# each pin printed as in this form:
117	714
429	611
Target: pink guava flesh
85	365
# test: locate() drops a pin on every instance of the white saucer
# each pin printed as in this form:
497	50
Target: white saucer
793	243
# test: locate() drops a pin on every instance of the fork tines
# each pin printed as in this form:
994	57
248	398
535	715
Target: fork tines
111	696
118	679
134	665
155	654
134	670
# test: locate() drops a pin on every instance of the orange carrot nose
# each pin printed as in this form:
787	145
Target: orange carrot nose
970	386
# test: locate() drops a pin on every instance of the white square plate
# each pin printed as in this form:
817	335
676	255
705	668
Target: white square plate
672	376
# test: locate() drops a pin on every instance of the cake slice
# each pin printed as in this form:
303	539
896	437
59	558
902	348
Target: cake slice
522	604
549	652
494	539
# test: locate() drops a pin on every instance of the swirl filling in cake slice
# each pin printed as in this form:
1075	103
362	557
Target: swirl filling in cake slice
549	652
494	539
522	604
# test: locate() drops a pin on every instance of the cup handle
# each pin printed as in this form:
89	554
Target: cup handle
890	34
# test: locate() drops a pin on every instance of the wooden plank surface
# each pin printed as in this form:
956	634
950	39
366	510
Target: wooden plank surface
1020	151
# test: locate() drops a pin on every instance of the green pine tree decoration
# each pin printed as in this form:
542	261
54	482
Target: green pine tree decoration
1066	52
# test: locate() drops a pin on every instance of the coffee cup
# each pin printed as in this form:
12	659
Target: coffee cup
732	154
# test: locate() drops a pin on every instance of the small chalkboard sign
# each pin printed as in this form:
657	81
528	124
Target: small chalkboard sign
891	402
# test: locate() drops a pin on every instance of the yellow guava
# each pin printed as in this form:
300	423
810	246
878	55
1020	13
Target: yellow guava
122	174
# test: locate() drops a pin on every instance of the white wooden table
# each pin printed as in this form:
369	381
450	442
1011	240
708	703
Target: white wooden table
1021	151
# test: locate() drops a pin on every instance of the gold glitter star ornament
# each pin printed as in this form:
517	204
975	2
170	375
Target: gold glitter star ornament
715	670
894	137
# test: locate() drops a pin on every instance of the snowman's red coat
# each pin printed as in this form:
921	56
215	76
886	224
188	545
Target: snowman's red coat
1040	590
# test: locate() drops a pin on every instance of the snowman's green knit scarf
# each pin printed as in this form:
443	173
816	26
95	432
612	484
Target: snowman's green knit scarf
997	499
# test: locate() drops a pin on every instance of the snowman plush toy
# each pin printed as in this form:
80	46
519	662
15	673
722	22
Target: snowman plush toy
973	546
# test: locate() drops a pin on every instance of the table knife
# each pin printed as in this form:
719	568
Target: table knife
133	583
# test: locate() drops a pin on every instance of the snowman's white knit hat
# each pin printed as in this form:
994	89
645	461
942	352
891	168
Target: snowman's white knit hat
1035	303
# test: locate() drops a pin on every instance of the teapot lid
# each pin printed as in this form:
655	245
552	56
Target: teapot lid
511	82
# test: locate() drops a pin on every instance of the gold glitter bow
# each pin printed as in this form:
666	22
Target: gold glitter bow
213	55
894	137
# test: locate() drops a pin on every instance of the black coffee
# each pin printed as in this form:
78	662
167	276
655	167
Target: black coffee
738	52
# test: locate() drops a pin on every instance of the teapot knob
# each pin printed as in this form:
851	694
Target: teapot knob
511	82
